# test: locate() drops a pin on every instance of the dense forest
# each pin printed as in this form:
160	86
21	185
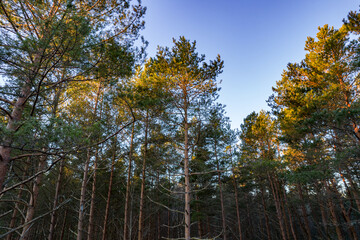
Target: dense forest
97	141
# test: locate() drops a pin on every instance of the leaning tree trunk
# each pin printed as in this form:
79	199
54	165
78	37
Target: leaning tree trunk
16	114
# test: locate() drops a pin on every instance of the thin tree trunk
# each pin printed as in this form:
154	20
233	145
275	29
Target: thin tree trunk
354	192
187	176
265	214
63	226
278	207
345	213
127	195
80	230
13	216
92	204
93	191
333	213
198	222
290	216
56	199
109	191
17	204
304	212
237	207
221	194
142	191
33	199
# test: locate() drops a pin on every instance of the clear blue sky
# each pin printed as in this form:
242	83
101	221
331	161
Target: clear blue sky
256	39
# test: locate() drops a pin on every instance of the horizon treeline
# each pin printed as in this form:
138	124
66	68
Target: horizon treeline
99	142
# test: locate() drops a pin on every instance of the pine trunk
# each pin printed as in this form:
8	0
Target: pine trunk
187	177
80	230
56	198
33	199
278	207
127	194
107	208
221	195
142	191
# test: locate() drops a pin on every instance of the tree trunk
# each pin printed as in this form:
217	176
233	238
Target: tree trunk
304	212
290	216
127	195
63	226
93	191
109	191
142	191
33	199
16	114
82	198
92	203
56	198
265	215
333	212
17	204
278	207
187	177
221	194
345	213
237	207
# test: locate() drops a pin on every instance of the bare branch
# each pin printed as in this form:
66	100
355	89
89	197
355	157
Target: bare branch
7	101
35	219
30	178
164	206
5	111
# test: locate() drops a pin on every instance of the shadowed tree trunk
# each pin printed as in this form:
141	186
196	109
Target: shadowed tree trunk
142	191
221	194
56	199
81	216
127	194
33	199
109	191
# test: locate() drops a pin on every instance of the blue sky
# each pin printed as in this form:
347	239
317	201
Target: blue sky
256	39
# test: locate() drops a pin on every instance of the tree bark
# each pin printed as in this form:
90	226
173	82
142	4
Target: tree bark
127	194
187	176
221	194
80	230
290	216
109	192
16	114
33	199
304	212
333	212
142	191
56	199
265	214
237	207
92	201
278	207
